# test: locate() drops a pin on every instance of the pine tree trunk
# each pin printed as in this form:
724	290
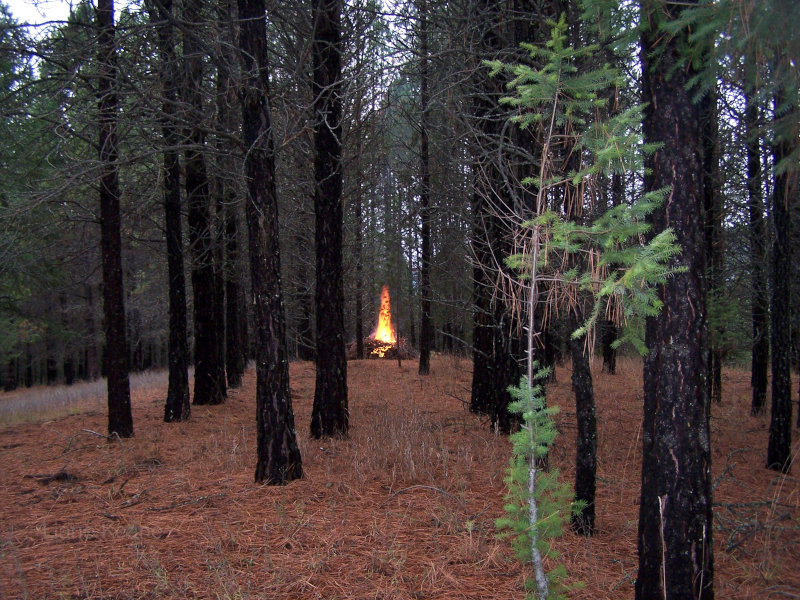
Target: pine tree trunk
219	297
497	345
675	516
359	260
759	369
227	246
236	339
92	370
425	328
208	387
236	315
330	412
120	419
278	460
586	447
779	449
481	330
177	407
712	201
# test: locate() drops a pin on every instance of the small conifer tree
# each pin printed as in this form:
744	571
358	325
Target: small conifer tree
537	500
609	260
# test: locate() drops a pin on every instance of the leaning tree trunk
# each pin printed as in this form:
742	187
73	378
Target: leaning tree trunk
278	455
177	407
120	419
759	368
675	515
779	449
209	372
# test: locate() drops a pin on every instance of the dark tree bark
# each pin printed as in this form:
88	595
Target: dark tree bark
759	367
209	373
236	312
425	328
481	329
177	407
359	260
608	335
497	346
219	297
714	208
92	358
120	419
231	316
278	455
779	449
586	447
675	515
330	413
609	332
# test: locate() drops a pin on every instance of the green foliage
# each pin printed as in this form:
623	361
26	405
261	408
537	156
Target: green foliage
610	260
551	496
725	35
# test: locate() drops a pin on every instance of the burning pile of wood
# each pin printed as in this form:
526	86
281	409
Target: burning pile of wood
378	349
383	343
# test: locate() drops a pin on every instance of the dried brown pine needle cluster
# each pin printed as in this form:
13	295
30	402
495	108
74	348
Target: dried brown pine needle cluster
404	509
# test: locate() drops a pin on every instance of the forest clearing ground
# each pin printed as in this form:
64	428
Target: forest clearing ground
404	509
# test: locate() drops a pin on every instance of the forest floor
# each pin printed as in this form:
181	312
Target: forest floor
403	509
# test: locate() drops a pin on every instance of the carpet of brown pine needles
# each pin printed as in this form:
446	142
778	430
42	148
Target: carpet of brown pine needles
403	509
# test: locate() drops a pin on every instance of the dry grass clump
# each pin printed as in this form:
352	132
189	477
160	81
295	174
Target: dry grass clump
403	509
40	403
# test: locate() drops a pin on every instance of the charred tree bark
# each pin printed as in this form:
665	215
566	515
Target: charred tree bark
120	419
608	335
759	366
236	312
208	372
231	307
425	327
779	449
278	455
481	330
497	348
92	358
359	259
675	515
177	407
330	413
712	201
586	446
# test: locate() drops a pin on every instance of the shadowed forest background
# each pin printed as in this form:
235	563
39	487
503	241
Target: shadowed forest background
189	188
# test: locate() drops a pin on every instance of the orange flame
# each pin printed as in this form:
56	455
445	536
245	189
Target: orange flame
385	331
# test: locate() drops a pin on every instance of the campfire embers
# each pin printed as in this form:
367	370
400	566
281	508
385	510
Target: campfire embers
383	342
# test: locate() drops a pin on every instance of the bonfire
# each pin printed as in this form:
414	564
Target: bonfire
383	342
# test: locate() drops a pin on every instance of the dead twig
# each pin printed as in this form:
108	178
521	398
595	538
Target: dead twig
62	475
423	487
187	502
